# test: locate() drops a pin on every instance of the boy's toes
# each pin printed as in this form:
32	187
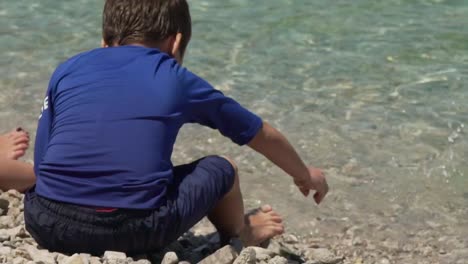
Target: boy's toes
16	154
278	230
21	140
17	134
277	219
22	146
266	208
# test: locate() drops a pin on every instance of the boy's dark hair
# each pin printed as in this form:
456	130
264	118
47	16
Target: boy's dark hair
145	21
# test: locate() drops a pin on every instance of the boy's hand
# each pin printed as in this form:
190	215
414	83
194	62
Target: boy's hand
315	181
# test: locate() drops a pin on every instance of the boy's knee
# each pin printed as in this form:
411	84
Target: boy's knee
233	164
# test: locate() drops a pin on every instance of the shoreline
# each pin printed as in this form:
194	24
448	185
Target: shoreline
348	246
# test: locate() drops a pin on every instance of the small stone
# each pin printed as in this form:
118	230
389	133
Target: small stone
170	258
4	203
14	194
7	221
357	241
19	260
290	239
39	255
14	211
114	257
322	255
427	251
263	254
278	260
75	259
95	260
61	258
5	251
225	255
4	237
384	261
247	256
22	233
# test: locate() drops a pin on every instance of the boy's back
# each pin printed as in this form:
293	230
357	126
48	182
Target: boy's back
112	118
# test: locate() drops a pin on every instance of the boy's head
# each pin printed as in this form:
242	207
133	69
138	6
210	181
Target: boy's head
163	24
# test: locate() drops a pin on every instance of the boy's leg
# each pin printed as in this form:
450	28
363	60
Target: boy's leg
252	228
16	175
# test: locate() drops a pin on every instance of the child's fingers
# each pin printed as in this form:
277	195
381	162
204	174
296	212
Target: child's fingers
304	191
318	197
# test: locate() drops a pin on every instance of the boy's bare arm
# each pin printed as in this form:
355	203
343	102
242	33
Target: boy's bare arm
274	146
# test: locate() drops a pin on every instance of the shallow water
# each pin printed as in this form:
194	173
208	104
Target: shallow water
375	92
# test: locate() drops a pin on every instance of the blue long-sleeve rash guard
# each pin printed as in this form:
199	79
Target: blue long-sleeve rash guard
110	120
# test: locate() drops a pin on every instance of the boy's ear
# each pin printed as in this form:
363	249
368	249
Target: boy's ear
174	47
176	44
103	44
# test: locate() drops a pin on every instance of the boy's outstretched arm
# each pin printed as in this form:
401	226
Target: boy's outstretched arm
274	146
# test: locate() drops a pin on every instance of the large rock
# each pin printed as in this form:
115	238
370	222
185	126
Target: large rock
225	255
247	256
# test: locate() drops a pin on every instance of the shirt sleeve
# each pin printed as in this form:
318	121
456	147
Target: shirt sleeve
210	107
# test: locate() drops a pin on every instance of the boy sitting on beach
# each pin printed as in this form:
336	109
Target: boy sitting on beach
105	180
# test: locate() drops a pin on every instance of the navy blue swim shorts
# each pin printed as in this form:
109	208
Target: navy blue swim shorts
69	229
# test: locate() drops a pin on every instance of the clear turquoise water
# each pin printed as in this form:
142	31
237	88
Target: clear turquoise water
373	91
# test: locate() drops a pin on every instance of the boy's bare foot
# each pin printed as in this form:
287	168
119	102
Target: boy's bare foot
261	225
14	144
